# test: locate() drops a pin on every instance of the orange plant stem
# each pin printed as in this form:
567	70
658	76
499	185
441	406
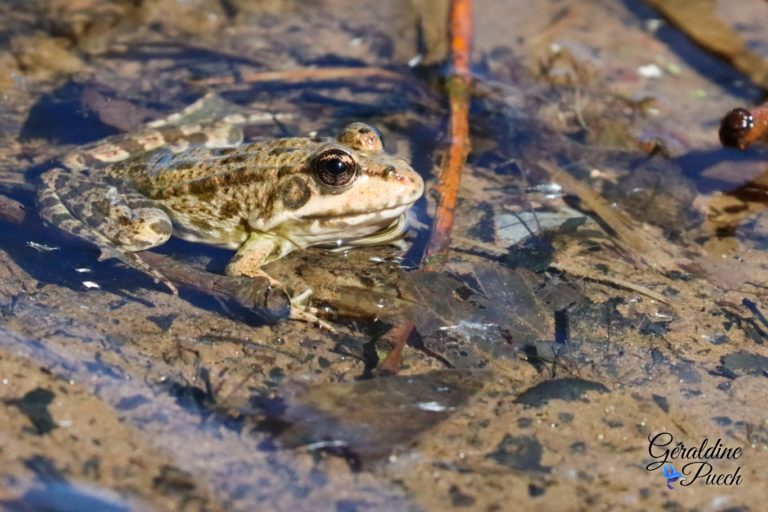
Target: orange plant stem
454	159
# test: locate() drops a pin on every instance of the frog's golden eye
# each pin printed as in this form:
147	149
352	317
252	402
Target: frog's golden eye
335	168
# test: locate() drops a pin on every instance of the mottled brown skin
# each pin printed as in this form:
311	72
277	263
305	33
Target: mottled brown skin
264	198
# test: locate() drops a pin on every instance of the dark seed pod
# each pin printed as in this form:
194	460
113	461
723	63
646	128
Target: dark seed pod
734	128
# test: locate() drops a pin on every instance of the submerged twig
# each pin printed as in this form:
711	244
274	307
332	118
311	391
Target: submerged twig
251	293
451	166
400	334
305	75
611	281
455	158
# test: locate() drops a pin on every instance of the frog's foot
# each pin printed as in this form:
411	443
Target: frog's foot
299	304
302	311
118	224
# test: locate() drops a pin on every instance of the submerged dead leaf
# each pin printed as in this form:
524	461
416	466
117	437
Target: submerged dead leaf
371	418
491	311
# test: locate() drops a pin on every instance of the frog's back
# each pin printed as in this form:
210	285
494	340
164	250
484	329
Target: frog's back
210	192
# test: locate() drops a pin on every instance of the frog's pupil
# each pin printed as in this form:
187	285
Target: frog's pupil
335	166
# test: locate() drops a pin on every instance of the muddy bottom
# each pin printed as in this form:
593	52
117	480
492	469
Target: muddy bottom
594	338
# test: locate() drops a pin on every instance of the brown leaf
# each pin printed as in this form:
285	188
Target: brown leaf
502	310
699	20
370	418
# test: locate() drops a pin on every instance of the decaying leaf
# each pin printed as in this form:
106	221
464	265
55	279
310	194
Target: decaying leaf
371	418
488	311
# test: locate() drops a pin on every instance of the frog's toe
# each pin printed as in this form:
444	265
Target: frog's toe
302	311
302	299
308	315
161	279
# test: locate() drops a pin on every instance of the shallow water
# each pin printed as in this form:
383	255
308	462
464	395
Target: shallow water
605	282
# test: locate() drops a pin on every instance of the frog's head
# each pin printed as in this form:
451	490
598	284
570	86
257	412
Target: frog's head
348	192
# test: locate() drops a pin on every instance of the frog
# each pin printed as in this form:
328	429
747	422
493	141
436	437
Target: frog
201	181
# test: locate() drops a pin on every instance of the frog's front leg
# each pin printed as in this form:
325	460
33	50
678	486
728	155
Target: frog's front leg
120	224
260	249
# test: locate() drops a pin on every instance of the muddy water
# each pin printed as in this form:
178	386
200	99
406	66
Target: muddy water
604	288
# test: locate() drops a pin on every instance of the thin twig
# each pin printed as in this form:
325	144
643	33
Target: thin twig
612	281
251	293
305	75
400	334
453	161
452	164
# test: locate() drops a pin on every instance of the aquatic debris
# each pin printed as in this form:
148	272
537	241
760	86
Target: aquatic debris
11	211
254	294
650	71
34	405
458	87
504	310
516	227
41	247
568	389
741	127
746	362
367	420
307	75
520	452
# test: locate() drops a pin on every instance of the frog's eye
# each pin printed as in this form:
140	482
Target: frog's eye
335	167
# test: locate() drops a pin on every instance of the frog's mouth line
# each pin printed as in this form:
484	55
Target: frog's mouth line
384	235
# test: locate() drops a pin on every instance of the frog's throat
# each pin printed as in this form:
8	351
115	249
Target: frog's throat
345	236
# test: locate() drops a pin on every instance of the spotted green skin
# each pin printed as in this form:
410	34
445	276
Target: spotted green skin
200	182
